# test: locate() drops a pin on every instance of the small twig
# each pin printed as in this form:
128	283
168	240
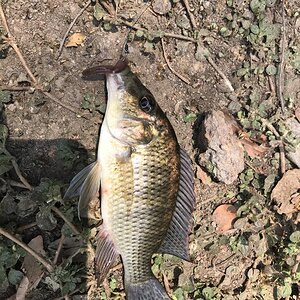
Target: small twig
218	70
191	16
166	284
180	37
16	88
271	128
17	170
13	44
88	3
54	99
16	184
282	157
107	7
166	34
32	252
106	288
169	65
124	49
271	84
280	82
58	250
117	267
61	215
25	227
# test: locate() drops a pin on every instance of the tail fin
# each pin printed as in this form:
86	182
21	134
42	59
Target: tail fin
147	290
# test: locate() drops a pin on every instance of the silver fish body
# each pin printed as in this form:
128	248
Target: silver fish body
146	181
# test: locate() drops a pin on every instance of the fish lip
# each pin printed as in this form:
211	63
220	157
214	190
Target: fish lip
100	72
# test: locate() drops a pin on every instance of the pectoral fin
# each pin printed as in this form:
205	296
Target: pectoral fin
176	241
86	184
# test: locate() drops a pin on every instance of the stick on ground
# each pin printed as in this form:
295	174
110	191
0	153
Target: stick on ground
32	252
191	16
280	80
11	41
226	80
169	65
88	3
61	215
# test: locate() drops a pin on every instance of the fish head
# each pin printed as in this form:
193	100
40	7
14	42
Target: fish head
132	115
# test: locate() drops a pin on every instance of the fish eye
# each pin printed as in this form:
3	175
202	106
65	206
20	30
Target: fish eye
147	104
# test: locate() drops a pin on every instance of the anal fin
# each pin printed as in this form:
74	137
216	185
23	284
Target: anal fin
106	254
86	184
176	240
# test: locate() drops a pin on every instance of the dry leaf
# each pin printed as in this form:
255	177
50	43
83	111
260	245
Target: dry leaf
253	149
224	215
286	194
31	266
76	39
22	289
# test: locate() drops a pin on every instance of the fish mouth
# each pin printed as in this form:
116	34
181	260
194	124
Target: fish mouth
99	72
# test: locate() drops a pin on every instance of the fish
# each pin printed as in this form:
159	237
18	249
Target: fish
145	180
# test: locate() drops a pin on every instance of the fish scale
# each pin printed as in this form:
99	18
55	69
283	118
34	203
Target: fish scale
133	217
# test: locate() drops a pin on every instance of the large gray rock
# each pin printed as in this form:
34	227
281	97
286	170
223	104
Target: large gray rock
223	149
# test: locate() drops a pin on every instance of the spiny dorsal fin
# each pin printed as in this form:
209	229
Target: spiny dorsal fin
86	184
176	240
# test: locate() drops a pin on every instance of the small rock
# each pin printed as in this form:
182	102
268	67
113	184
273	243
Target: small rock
234	107
223	150
224	216
183	22
161	7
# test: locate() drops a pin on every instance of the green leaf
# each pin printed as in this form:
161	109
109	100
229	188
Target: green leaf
208	293
68	287
254	29
139	33
3	135
8	257
271	70
45	219
190	117
87	103
295	237
201	53
284	291
158	34
15	276
148	46
5	163
258	6
113	283
178	294
5	96
99	13
3	276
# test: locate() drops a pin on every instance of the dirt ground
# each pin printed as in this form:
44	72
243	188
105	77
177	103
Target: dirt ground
179	57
